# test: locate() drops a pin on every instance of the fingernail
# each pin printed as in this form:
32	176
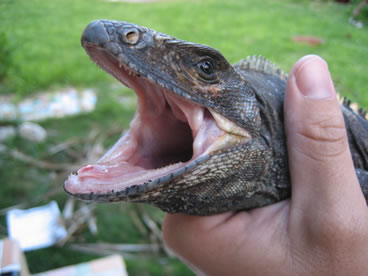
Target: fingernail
313	78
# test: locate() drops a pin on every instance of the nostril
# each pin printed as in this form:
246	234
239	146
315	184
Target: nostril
130	36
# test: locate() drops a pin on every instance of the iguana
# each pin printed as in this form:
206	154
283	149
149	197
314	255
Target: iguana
207	136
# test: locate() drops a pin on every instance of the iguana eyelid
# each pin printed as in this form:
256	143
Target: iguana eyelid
209	77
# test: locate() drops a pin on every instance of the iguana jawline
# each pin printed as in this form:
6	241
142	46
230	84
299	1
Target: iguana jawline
167	134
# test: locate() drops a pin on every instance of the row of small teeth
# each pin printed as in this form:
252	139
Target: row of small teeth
126	68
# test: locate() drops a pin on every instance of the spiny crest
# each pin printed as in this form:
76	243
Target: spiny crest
353	106
261	64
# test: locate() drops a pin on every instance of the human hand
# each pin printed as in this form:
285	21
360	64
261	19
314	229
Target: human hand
321	230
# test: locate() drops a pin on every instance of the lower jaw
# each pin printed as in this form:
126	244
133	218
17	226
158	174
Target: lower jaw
119	168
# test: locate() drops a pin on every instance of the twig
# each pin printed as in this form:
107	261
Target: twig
95	251
92	225
39	163
80	218
68	209
126	247
33	202
137	222
127	250
155	230
63	146
361	5
17	206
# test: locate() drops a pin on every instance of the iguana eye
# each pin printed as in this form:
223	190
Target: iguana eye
206	69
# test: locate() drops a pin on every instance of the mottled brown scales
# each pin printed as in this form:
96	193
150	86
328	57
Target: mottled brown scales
208	136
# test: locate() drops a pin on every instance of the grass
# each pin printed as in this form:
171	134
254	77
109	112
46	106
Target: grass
40	50
46	52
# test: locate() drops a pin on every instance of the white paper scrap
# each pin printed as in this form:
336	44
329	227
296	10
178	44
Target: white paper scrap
36	228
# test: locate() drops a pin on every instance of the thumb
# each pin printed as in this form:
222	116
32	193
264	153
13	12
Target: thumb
321	168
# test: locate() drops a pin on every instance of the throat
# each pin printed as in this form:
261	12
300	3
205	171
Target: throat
162	140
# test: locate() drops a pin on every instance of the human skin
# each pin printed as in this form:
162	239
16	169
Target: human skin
321	230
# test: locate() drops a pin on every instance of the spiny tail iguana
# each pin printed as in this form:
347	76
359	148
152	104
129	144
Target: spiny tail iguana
207	137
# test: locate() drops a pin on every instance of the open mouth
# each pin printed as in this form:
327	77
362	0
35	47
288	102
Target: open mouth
168	136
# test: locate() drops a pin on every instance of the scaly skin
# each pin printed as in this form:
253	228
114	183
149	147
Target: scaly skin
248	171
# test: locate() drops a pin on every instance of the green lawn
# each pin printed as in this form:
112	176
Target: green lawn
45	50
40	50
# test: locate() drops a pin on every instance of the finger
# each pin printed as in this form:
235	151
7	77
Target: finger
184	232
197	241
229	243
321	168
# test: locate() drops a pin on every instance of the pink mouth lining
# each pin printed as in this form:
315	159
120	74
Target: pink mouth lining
167	133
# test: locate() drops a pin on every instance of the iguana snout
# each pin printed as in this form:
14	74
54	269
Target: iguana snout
95	34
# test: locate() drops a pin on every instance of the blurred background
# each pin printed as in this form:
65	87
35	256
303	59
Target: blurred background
77	111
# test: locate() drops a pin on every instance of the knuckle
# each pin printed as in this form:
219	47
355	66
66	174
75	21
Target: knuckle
327	136
328	130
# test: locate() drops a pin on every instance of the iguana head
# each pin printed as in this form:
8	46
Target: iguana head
193	144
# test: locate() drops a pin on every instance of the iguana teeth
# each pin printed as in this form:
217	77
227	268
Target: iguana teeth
228	126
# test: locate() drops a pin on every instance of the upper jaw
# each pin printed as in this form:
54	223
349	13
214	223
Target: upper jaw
149	54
